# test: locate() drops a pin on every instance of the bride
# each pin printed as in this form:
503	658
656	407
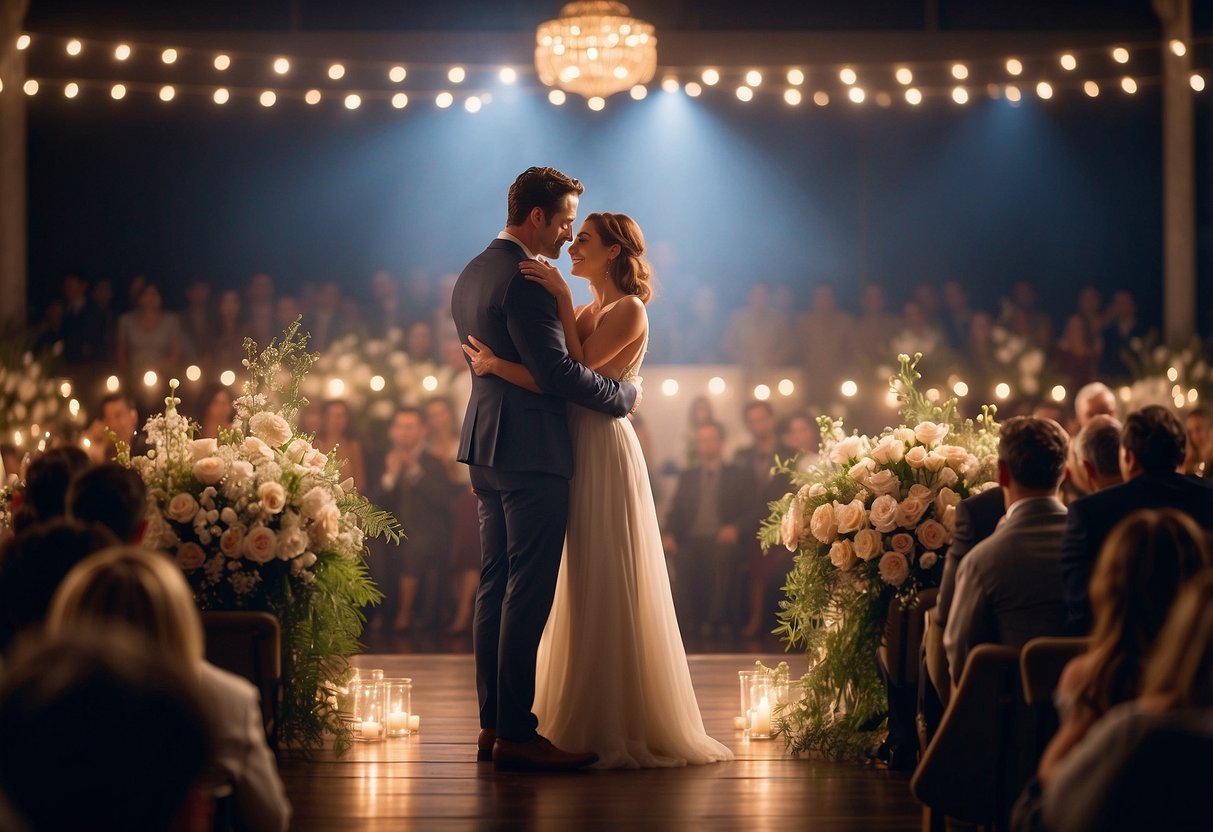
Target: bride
612	672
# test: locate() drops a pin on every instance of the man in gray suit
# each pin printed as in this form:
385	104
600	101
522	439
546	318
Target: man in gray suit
1008	588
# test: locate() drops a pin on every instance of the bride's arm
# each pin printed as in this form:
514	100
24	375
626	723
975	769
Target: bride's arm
486	363
549	277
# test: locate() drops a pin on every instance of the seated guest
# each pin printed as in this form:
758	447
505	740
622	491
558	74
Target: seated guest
1152	445
1145	562
102	731
146	590
1095	455
1147	763
1008	589
46	481
32	565
1198	461
1093	400
113	496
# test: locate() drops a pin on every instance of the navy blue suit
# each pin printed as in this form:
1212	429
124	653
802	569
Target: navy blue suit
517	444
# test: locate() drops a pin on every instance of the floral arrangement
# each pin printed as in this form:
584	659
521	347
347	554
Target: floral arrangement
869	524
258	520
1160	375
31	399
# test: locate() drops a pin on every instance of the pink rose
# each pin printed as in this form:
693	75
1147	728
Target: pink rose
190	556
842	554
257	450
954	456
929	433
823	524
884	482
902	542
202	448
231	542
846	449
210	470
928	560
291	543
946	497
272	496
910	511
326	523
851	516
889	451
792	526
916	457
867	544
932	535
270	428
182	507
883	514
260	545
894	568
935	462
947	478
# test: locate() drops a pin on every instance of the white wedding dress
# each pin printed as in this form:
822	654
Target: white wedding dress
612	672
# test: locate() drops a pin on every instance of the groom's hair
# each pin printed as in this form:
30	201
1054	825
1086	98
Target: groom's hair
541	188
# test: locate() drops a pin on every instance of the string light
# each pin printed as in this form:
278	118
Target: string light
1091	88
378	383
1178	47
596	103
960	95
753	78
429	384
456	75
71	90
1197	81
312	97
1120	55
169	56
1128	85
353	101
227	378
444	100
762	392
1068	62
821	98
693	89
670	85
1012	93
282	66
111	384
960	72
904	76
222	62
397	74
556	97
336	72
23	42
1014	66
711	77
849	389
639	92
193	372
1045	90
669	387
1058	393
400	101
745	94
913	96
856	94
74	47
268	98
716	385
786	387
122	52
792	97
507	75
795	77
167	93
848	76
473	104
150	378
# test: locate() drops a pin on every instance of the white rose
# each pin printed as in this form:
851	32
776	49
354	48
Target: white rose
272	496
326	523
947	477
883	514
182	507
928	433
842	554
910	511
972	467
902	542
291	543
935	463
240	473
932	535
792	526
894	568
159	534
202	448
231	542
190	556
814	490
256	449
297	450
851	516
916	456
210	470
861	470
954	455
906	435
928	560
823	525
883	483
948	519
946	497
919	492
314	500
316	459
846	449
270	428
867	544
889	451
260	545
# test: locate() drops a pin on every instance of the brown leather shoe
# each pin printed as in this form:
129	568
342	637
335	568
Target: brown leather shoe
537	755
484	745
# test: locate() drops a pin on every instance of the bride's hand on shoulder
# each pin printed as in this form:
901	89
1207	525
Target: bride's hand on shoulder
549	277
483	359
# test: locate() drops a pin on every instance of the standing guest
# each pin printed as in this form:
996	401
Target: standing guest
226	345
287	308
757	335
956	316
1008	588
1119	335
259	308
917	333
386	312
198	320
1152	446
328	320
827	332
47	478
83	324
876	324
442	436
102	296
216	410
335	432
149	338
1076	354
700	341
1199	426
978	355
702	534
419	343
800	433
1090	308
49	334
112	496
699	413
419	493
1026	318
146	590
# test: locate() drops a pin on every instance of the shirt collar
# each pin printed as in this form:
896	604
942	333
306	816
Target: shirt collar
1015	506
505	235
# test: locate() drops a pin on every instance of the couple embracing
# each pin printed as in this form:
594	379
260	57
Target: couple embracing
584	648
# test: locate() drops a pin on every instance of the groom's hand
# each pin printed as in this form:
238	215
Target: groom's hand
639	395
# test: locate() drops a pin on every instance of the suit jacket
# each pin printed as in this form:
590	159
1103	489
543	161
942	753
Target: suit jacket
1008	588
768	488
507	427
735	494
976	519
1093	517
425	507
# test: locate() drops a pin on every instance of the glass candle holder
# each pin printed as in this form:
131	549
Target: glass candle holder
761	702
370	715
747	679
399	706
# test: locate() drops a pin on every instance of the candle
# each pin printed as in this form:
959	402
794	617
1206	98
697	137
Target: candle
397	721
414	723
371	730
739	723
761	725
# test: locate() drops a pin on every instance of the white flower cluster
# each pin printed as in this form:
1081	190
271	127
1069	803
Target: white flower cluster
884	510
1021	362
28	396
231	509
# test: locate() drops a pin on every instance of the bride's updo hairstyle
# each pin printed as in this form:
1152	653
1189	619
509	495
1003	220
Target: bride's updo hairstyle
630	271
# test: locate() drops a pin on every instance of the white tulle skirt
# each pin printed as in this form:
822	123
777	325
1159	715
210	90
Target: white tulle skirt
612	674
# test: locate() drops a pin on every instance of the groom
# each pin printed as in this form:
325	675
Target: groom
518	447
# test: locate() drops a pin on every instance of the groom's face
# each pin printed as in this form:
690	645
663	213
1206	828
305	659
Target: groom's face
559	228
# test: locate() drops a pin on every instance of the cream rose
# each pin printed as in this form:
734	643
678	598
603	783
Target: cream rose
190	556
861	470
883	483
231	542
210	470
272	496
291	543
902	542
928	560
894	568
910	511
932	535
182	507
314	500
954	455
792	526
257	449
270	428
947	478
239	473
929	433
906	435
315	459
867	544
916	457
824	525
919	492
846	449
946	497
297	450
851	516
935	463
327	523
807	492
842	554
260	544
889	451
883	514
948	519
202	448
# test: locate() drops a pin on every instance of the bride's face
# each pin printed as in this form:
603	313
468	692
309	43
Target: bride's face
589	254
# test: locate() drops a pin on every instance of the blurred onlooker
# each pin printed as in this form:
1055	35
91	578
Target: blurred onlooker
701	336
329	319
800	433
956	316
386	311
824	333
1025	318
146	590
1092	400
455	376
1152	445
225	348
419	343
917	334
1076	353
1199	426
977	355
757	336
926	295
286	309
259	308
1095	455
197	320
49	335
116	414
875	326
699	413
112	496
442	437
83	324
1090	308
1118	336
149	338
102	296
120	721
336	430
33	563
216	410
47	478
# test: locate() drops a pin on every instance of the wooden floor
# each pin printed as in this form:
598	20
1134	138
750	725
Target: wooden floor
431	780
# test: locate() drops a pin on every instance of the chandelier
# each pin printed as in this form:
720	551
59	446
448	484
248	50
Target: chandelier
596	49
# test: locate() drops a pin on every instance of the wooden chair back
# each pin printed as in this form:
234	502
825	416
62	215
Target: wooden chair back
249	644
